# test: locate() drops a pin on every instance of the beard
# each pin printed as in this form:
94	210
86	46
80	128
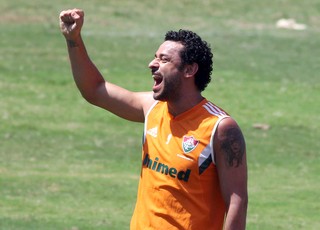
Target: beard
170	89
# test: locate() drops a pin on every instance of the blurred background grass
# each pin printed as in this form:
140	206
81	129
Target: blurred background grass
68	165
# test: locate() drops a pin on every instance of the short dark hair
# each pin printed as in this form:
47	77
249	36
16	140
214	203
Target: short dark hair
195	51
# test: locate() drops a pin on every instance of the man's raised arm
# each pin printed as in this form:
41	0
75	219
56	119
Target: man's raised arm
126	104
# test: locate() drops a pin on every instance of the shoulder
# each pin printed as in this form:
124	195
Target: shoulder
229	142
227	123
146	100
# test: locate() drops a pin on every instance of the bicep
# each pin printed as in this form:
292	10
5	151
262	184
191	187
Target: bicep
123	103
230	153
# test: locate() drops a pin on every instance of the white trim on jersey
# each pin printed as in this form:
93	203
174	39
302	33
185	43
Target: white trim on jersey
146	121
212	136
214	110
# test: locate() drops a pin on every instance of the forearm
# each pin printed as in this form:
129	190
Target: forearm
85	74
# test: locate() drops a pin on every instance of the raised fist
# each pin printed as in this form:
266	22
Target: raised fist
71	22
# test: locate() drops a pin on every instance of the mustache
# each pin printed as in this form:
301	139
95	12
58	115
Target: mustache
155	72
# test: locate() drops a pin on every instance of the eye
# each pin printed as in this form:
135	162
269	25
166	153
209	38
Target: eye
164	60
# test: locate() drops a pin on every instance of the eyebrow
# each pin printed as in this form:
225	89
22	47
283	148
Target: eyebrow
161	55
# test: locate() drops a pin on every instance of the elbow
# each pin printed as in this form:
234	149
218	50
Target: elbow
238	200
244	199
243	203
236	214
93	93
90	98
238	205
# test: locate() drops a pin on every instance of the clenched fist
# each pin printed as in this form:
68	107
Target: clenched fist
71	22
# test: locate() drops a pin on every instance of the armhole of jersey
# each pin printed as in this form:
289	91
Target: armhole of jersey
146	121
212	136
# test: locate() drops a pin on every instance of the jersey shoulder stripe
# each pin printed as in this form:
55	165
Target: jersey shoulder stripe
214	110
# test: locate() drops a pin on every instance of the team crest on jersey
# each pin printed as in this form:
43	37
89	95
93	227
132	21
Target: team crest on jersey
189	144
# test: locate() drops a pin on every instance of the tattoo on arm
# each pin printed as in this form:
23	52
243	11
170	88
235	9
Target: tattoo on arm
72	43
233	147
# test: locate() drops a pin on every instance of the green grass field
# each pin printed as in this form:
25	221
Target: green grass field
67	165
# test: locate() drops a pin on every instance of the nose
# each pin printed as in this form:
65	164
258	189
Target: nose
154	64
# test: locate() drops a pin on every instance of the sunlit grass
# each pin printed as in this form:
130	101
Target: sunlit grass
68	165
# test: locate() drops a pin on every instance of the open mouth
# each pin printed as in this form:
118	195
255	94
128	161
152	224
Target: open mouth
157	81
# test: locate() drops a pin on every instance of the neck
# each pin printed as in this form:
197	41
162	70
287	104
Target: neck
184	103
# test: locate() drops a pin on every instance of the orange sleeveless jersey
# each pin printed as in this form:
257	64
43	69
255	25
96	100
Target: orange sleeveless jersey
179	186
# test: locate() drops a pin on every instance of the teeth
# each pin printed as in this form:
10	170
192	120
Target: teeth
157	80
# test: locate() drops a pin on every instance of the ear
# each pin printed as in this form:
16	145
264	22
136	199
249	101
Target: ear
191	69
